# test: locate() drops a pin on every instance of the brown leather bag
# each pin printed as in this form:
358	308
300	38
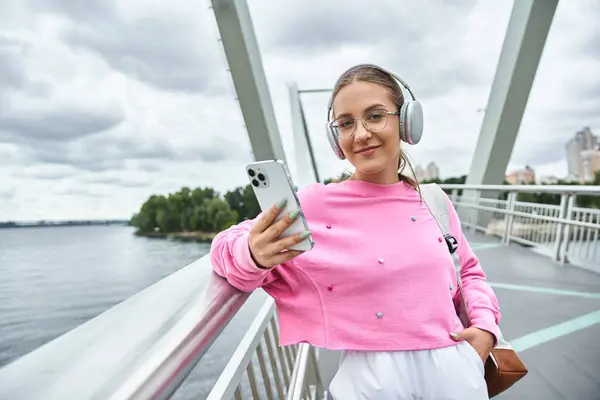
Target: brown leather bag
503	367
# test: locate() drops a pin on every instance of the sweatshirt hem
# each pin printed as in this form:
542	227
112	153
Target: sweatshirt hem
367	347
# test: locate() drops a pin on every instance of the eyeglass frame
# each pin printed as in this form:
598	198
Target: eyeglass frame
387	113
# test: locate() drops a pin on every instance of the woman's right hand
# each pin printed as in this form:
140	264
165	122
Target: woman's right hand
266	246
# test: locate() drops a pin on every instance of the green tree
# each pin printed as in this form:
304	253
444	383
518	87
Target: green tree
221	216
200	209
168	219
146	219
243	201
342	177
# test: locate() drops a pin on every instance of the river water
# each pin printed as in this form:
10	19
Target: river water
54	279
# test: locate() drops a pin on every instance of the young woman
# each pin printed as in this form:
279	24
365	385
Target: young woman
380	283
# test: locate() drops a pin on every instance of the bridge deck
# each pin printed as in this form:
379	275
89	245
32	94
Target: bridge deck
551	315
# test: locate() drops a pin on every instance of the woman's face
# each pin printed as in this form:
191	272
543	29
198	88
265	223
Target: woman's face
373	152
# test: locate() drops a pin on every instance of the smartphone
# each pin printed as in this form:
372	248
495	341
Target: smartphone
271	182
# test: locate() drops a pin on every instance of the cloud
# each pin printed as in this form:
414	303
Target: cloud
9	154
91	10
11	63
45	172
57	123
111	151
6	192
327	26
162	44
105	103
392	36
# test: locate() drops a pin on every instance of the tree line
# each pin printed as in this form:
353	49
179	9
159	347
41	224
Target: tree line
205	210
196	210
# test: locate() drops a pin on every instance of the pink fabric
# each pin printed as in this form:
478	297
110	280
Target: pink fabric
376	280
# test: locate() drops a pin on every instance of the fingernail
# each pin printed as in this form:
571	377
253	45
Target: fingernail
281	203
294	214
305	234
454	336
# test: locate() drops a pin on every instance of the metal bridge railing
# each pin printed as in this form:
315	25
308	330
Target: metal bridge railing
562	231
288	372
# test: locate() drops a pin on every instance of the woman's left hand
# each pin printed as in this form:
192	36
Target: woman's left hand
482	341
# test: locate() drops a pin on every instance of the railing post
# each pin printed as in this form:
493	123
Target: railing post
315	367
563	231
564	199
474	217
564	249
510	207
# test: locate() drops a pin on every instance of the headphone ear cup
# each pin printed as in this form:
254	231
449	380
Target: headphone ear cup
402	122
335	146
411	122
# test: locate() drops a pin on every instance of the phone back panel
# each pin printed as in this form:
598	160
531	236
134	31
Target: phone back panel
271	182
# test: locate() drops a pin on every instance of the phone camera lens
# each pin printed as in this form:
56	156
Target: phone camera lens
255	182
251	172
261	177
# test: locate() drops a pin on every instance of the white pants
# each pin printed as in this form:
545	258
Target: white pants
449	373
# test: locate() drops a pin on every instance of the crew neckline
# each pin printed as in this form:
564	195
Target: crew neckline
400	188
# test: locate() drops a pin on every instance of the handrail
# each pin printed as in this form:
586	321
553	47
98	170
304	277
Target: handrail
227	383
530	216
142	348
556	189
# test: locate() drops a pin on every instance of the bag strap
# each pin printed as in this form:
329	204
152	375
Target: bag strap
435	199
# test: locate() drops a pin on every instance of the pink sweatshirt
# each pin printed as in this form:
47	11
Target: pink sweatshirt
380	277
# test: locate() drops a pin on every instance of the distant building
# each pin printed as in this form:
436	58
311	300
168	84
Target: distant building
573	158
428	173
419	173
432	171
582	141
522	176
586	139
589	165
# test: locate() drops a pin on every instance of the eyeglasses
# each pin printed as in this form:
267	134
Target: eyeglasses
373	121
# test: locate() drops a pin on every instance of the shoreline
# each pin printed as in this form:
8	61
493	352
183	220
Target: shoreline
193	236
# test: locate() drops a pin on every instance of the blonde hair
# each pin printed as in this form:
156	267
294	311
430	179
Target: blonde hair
372	74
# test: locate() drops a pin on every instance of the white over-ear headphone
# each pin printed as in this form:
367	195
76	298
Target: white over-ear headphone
410	116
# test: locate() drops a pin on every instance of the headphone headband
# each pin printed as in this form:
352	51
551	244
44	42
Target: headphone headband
386	71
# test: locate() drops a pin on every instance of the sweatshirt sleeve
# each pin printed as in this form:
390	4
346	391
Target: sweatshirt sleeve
482	303
231	259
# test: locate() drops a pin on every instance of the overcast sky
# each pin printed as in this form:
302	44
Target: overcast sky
105	102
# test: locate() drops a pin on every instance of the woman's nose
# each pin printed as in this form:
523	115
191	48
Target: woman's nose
362	133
